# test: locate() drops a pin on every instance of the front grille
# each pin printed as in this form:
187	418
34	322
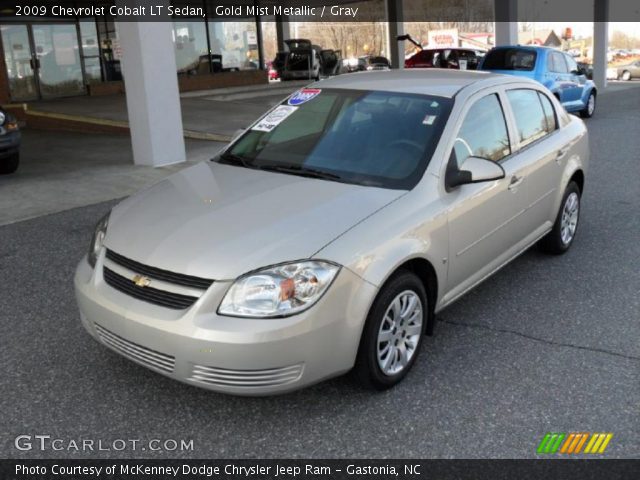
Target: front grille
246	378
146	356
158	273
163	298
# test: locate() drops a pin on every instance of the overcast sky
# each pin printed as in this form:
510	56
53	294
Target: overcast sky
585	29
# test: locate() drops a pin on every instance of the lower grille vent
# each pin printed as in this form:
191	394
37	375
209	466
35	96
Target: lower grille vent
146	356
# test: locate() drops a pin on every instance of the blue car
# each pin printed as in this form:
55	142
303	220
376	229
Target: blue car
556	70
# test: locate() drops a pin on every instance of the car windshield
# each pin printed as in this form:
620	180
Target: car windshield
370	138
510	59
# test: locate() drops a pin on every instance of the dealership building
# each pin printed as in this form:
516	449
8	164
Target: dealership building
47	57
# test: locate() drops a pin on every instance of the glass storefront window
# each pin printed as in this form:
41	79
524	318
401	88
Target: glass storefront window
190	46
236	42
58	59
90	51
111	51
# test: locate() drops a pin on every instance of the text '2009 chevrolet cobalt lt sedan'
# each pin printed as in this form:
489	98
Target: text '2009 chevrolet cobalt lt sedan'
328	235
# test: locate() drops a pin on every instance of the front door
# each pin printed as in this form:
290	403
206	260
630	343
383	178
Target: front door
485	219
42	60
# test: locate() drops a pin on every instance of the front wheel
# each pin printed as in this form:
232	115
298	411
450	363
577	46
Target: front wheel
10	164
560	238
590	108
393	332
626	75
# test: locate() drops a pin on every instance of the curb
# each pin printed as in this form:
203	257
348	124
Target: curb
78	123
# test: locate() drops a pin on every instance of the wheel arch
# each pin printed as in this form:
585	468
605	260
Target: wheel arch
578	177
424	270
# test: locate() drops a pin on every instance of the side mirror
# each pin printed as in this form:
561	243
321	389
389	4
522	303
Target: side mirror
473	170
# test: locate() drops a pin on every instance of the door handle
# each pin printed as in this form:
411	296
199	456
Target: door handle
515	181
561	153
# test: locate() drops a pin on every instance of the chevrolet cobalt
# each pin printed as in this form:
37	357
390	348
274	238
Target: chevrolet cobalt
327	236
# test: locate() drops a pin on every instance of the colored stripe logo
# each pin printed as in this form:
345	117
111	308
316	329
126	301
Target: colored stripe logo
574	443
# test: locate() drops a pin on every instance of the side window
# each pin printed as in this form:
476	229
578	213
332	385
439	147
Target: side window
556	63
572	65
483	132
469	57
549	112
530	117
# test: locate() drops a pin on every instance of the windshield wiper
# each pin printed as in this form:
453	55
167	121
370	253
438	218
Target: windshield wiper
233	159
302	171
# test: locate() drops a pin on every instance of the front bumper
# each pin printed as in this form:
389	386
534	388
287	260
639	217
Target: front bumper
228	354
9	143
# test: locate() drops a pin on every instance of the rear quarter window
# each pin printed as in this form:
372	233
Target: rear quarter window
549	112
510	59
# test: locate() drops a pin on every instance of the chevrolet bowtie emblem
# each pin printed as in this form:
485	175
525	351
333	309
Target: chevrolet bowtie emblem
141	281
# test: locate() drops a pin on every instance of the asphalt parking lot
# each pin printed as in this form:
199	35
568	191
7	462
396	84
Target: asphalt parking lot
547	344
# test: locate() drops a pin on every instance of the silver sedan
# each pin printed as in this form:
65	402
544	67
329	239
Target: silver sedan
329	234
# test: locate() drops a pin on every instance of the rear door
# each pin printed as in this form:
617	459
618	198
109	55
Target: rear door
541	152
559	78
577	81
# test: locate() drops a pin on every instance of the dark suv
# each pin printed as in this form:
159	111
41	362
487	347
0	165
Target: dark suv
9	143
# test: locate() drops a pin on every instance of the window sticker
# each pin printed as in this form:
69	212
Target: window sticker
304	95
429	119
275	118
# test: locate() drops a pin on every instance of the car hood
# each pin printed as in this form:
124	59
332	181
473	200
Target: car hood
220	221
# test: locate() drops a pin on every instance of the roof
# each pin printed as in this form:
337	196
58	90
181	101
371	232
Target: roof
538	48
424	81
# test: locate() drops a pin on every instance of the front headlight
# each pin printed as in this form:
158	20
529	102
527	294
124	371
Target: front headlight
97	239
279	291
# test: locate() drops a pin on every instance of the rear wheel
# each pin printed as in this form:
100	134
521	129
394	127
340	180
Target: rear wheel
561	237
393	332
626	75
590	108
10	164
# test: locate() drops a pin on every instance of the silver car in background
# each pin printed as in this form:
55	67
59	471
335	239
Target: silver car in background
328	235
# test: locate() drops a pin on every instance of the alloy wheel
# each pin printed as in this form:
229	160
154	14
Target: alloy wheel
569	222
399	334
591	105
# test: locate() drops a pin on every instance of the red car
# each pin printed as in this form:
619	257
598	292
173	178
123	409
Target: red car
446	58
273	73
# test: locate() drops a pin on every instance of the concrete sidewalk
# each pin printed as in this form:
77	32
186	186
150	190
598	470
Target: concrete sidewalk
206	115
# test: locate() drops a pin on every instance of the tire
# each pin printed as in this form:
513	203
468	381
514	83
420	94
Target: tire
10	164
558	241
590	109
626	75
402	290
